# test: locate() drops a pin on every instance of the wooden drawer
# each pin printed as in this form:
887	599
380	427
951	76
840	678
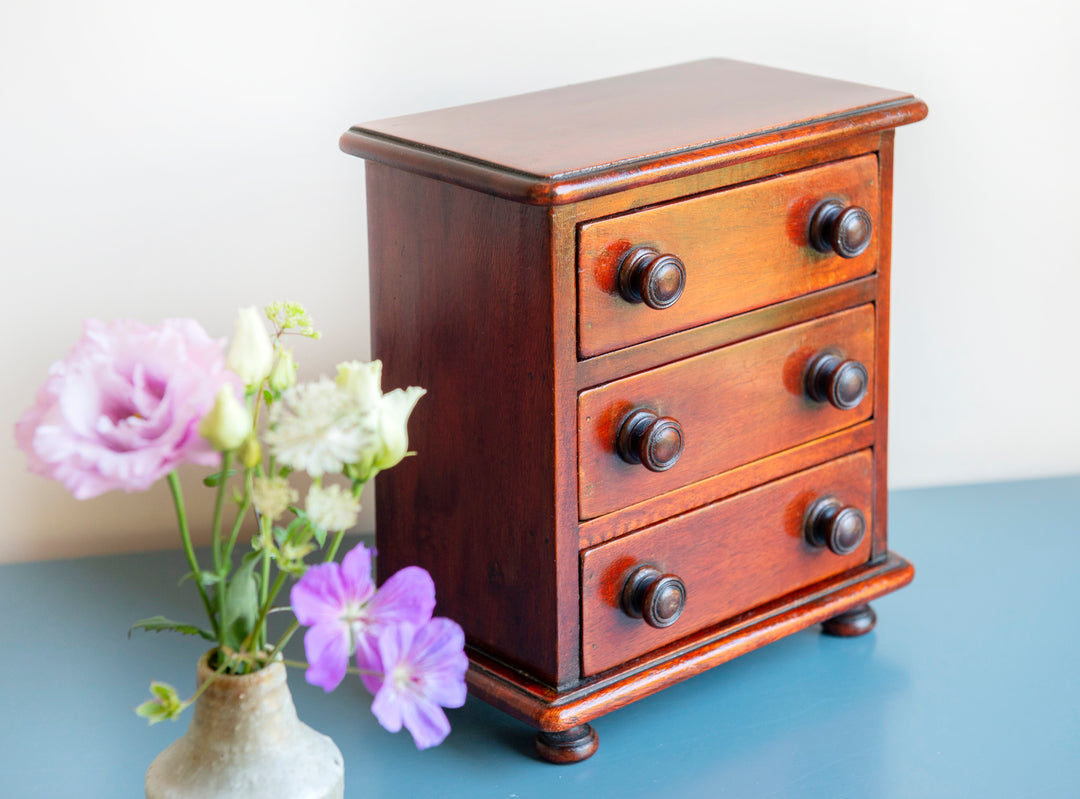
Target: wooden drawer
732	556
742	248
734	405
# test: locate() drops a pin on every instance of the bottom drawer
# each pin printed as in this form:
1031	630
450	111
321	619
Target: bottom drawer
728	557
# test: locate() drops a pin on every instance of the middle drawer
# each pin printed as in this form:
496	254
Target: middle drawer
704	415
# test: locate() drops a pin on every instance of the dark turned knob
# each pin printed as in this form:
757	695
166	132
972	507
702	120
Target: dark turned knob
843	384
845	231
830	523
646	275
657	598
656	442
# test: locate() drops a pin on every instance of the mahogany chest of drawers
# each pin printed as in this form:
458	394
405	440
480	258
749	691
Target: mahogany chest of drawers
652	315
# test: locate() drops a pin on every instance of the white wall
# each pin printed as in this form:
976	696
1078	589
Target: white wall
162	159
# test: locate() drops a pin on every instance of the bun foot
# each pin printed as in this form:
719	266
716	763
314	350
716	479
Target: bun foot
857	621
569	746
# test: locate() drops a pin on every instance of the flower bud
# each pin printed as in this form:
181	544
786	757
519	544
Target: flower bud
363	381
394	410
250	354
283	375
227	424
164	703
250	453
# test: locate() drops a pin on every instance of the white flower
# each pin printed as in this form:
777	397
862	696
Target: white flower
332	508
362	380
250	354
319	428
394	411
272	496
228	422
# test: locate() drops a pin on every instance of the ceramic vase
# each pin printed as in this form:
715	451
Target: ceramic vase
245	740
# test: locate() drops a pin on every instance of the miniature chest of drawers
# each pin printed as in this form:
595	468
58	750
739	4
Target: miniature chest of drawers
652	315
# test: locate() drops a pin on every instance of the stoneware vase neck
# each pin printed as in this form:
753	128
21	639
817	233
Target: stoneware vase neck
245	740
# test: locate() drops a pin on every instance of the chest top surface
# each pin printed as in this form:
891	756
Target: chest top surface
574	142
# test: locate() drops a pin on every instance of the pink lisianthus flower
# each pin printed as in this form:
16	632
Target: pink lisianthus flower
122	409
424	671
345	614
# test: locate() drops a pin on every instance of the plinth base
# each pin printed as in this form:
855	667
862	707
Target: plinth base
562	716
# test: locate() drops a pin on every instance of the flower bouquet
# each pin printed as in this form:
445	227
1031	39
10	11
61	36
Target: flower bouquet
130	403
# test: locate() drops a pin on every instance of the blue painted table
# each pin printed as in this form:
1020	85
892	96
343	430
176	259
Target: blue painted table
969	686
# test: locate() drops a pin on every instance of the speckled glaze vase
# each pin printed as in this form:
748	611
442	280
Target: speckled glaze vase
245	740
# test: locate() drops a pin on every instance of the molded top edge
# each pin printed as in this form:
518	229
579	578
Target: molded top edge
565	144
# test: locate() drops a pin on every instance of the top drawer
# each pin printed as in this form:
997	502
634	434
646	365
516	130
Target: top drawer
741	248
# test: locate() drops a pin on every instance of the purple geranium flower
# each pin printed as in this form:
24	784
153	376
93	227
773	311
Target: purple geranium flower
424	671
122	409
345	614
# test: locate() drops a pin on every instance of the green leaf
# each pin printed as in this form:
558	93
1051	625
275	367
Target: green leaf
241	602
280	534
156	624
212	480
296	526
204	577
320	535
268	395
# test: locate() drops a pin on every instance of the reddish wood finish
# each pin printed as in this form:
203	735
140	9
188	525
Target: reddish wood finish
735	554
475	280
640	357
881	376
548	709
568	144
858	621
482	550
568	746
812	453
735	405
742	248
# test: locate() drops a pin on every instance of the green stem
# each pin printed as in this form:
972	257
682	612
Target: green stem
198	692
219	564
299	664
241	514
257	632
185	537
284	639
266	527
330	553
219	501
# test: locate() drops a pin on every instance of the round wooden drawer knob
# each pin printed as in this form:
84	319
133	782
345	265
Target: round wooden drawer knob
841	383
830	523
656	442
844	230
656	597
651	277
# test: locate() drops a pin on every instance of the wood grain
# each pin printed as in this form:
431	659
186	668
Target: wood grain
477	219
742	248
547	709
732	556
812	453
881	383
477	507
732	174
735	405
674	347
575	142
